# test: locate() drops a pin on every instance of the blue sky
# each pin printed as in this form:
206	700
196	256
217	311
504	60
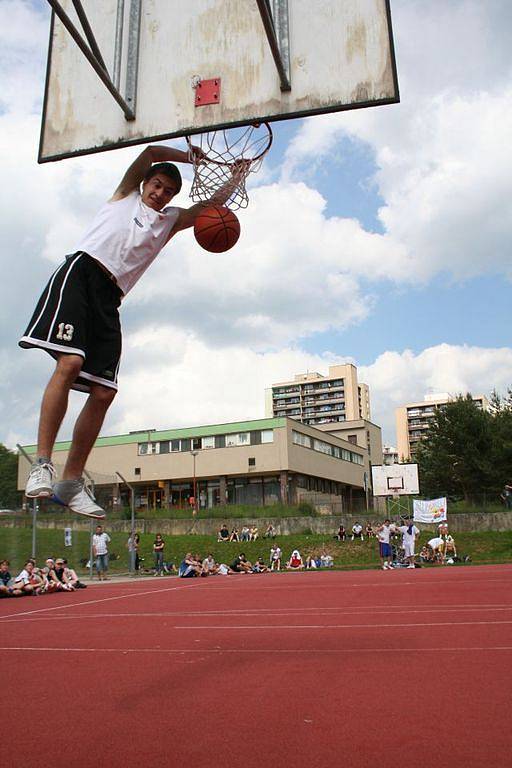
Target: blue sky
382	236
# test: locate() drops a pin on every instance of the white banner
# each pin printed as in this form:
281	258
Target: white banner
432	511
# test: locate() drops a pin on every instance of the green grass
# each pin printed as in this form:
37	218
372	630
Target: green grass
15	545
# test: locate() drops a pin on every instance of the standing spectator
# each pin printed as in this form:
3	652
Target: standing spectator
133	545
158	549
275	558
202	499
385	552
223	533
357	531
507	495
409	533
270	532
100	542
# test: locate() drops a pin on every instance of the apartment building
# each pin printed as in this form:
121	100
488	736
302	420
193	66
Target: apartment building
317	400
390	455
261	462
413	419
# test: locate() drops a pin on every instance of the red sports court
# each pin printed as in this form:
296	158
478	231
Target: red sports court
367	668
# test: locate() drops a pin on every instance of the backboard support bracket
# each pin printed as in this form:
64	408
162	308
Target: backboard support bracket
274	15
93	54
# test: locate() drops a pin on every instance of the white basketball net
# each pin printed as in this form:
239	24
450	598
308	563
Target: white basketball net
224	150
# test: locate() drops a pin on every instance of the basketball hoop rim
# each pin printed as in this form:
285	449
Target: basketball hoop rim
251	160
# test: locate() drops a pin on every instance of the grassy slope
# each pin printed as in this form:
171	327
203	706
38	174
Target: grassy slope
15	545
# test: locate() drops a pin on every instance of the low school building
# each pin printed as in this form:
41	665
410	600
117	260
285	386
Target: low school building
261	462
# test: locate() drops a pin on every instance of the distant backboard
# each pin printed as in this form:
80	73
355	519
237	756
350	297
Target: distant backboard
170	68
395	480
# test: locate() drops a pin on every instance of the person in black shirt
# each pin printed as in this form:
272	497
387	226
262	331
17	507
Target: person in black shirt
241	565
7	588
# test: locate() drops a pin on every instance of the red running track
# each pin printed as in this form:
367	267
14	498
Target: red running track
369	669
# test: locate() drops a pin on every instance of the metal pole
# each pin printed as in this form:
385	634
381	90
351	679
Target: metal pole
118	48
194	454
90	549
132	504
34	504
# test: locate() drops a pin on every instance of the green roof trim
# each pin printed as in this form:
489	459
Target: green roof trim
175	434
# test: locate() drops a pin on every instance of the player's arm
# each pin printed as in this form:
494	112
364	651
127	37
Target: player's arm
135	174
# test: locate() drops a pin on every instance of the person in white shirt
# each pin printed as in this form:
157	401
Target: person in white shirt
409	534
357	531
77	320
384	532
100	542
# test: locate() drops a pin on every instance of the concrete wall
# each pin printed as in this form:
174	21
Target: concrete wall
475	521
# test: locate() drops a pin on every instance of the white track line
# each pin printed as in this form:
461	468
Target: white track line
275	627
181	651
93	602
258	613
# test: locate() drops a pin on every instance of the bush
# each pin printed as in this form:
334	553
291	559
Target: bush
305	508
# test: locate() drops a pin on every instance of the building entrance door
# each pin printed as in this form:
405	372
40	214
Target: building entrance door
155	498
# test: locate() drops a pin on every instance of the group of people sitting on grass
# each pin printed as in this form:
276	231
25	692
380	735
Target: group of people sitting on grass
246	533
193	565
357	532
55	576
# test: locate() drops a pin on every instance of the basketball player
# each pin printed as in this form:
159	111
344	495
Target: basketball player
77	320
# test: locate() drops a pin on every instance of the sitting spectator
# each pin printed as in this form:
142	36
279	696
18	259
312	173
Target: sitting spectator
28	582
275	558
270	532
259	566
7	586
60	572
327	560
253	533
245	533
310	561
295	562
223	533
341	534
71	575
357	531
235	534
189	567
209	566
369	530
240	564
450	549
51	582
224	569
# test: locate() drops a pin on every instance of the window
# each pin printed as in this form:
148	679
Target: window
231	440
326	448
175	445
208	442
352	439
164	446
196	443
345	455
136	471
299	438
220	441
267	435
251	462
185	444
356	458
143	449
256	437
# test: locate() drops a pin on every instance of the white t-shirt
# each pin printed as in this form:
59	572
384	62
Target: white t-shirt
276	553
357	528
385	533
126	236
408	538
24	577
223	569
99	542
436	542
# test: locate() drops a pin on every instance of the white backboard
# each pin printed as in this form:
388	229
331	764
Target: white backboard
395	480
340	57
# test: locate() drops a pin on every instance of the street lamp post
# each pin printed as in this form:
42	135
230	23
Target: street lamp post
194	454
132	505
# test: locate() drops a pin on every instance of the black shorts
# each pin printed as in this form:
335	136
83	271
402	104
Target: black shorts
78	314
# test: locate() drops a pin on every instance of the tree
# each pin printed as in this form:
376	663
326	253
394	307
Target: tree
10	498
458	453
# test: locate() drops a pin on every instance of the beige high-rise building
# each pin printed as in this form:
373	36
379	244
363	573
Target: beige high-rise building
413	419
316	400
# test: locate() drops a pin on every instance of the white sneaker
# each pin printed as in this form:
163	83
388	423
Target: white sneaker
40	481
83	503
411	566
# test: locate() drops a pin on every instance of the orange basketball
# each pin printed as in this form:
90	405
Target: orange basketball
216	229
